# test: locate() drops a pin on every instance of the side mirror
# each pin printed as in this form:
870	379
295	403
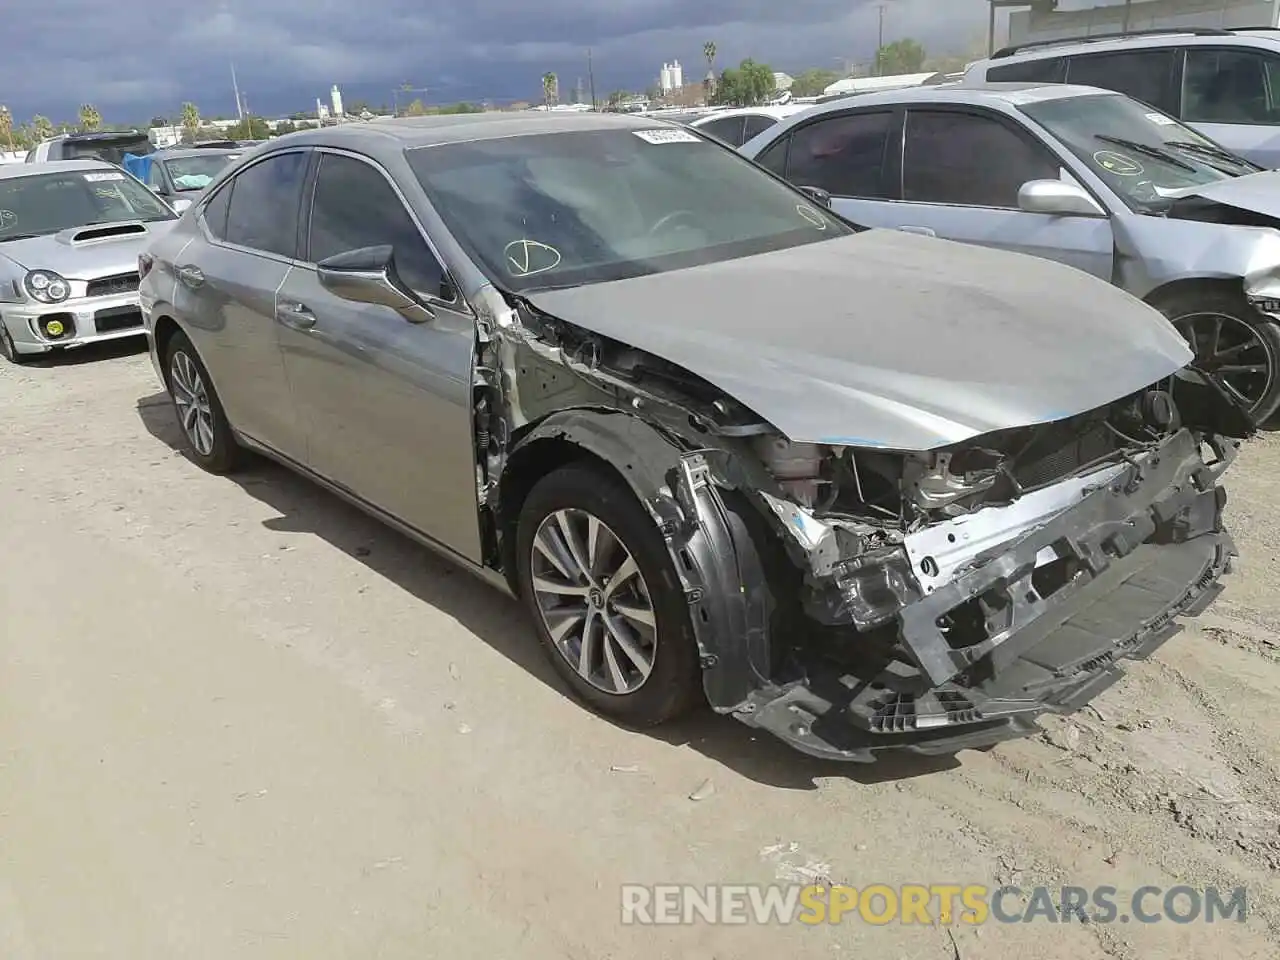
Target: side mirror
368	275
1057	199
817	195
179	204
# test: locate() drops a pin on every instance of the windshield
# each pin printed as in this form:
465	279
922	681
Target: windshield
566	209
46	203
195	173
1142	154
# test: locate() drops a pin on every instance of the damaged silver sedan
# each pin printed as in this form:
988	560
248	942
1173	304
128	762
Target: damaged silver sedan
852	487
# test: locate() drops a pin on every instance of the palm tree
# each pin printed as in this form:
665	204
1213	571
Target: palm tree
709	51
190	120
41	128
90	118
550	89
6	126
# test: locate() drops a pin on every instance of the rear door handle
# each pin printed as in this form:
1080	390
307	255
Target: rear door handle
295	315
922	231
191	276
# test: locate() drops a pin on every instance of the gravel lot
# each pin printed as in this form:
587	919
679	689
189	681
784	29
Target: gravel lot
239	719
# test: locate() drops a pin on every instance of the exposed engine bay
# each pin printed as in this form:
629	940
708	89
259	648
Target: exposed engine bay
850	598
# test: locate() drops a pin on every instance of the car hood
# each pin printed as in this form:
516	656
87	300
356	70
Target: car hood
78	256
1255	192
887	339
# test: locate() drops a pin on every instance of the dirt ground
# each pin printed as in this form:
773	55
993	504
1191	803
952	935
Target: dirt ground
240	719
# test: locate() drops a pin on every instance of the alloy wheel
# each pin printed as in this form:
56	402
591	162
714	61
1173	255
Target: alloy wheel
192	400
593	600
1231	348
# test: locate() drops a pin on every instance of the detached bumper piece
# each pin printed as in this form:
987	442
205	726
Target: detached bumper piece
1038	624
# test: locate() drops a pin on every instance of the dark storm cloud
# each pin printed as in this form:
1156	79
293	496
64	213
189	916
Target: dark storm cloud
61	53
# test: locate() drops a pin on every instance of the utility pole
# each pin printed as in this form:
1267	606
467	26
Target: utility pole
239	102
1128	9
591	78
880	41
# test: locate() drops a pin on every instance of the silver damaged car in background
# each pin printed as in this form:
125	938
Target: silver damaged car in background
861	489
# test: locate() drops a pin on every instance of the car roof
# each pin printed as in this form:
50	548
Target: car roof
990	94
388	136
13	171
778	110
1071	46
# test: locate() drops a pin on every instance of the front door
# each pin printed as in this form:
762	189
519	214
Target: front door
387	402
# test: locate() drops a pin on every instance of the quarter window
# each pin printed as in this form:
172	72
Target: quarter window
1142	74
215	212
774	156
1230	86
1046	70
843	155
726	129
355	207
263	213
964	159
757	124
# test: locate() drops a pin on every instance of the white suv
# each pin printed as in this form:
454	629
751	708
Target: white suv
1224	83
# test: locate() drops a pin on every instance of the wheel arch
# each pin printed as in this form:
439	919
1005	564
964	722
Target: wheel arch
163	327
1185	285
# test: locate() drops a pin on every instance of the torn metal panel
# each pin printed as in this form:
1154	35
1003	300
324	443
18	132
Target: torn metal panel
938	344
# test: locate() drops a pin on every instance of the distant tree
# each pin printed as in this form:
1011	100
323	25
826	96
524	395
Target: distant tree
748	84
416	109
41	128
190	121
6	127
901	56
250	128
459	108
285	126
550	89
90	118
709	51
811	83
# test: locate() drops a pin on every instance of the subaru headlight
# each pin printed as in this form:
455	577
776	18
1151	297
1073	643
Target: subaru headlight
46	286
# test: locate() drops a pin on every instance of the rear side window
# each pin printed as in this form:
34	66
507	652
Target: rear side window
1048	70
264	205
774	156
843	155
1231	86
215	212
1142	74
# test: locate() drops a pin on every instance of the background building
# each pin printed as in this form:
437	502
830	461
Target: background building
1047	20
671	77
335	97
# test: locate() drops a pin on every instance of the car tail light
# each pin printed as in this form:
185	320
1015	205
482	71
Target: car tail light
145	260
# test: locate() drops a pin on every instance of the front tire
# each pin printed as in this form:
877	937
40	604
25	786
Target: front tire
1233	340
609	610
7	347
209	440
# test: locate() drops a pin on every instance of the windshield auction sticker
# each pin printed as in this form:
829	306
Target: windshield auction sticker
666	136
101	177
1117	163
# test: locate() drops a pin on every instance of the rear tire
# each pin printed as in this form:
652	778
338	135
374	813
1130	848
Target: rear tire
207	435
1232	339
613	615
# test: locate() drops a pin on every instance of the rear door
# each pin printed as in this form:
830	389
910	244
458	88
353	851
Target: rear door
228	281
962	169
387	402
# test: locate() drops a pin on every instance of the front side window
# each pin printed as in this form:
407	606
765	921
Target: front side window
726	129
215	212
774	156
1230	86
965	159
51	202
355	207
264	204
843	155
590	206
1145	156
1142	74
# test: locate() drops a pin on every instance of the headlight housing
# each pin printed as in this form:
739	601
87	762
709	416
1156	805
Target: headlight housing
46	286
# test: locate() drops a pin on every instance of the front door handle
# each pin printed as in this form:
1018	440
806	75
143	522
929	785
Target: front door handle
295	315
922	231
191	276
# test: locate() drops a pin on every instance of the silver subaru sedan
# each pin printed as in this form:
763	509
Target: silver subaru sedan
70	235
860	489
